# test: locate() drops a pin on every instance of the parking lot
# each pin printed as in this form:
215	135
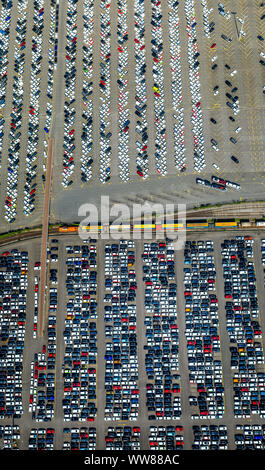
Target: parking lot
202	331
131	108
121	365
188	107
29	53
143	347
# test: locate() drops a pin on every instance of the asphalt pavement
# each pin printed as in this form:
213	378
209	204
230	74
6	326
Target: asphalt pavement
35	345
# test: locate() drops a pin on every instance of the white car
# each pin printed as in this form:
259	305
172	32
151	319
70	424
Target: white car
216	166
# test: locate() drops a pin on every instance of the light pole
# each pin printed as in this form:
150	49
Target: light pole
234	13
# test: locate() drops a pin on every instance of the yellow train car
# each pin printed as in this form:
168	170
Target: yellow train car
194	225
226	224
91	228
143	226
173	226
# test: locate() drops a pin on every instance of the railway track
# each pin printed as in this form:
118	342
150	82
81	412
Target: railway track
244	210
248	210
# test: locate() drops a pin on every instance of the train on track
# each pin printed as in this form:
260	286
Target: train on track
174	226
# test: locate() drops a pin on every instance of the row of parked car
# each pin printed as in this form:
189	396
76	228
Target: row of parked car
166	437
262	248
158	87
260	30
13	299
123	438
36	304
208	26
243	327
194	84
161	358
79	438
123	93
218	183
16	117
52	259
140	89
42	382
202	330
34	108
9	437
250	436
41	439
42	388
5	19
69	93
121	365
212	60
52	64
87	91
80	333
176	84
105	94
212	437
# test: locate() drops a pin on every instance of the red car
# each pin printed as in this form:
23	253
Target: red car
179	428
136	429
